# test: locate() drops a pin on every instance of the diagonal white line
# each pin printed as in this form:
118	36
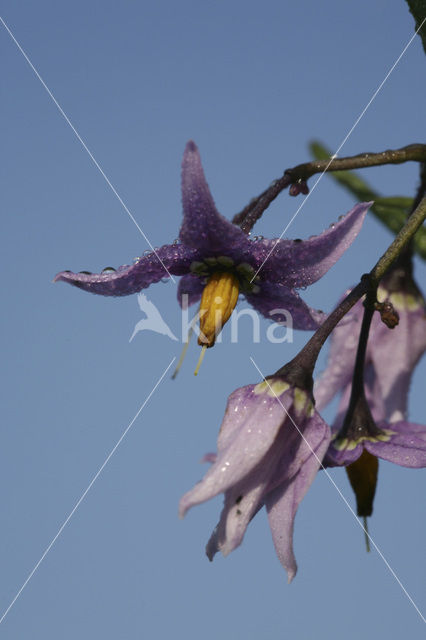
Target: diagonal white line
344	499
341	145
84	145
86	491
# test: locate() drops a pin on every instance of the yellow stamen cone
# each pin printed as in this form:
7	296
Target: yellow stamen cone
218	301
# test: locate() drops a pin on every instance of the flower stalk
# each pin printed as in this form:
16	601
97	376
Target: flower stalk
296	177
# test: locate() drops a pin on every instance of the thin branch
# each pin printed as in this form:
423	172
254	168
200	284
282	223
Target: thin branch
296	177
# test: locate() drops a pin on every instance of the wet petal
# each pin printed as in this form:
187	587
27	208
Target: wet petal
341	457
238	411
203	227
341	358
128	279
281	304
300	263
406	448
190	289
282	503
282	461
242	501
300	439
395	354
248	445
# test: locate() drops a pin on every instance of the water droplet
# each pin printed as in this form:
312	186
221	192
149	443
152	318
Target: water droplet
147	252
332	225
108	270
341	217
176	241
86	273
298	240
165	280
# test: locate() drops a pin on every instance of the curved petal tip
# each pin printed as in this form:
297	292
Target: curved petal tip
191	147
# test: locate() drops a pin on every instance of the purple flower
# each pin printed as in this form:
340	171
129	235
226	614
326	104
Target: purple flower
391	356
373	424
400	442
358	441
211	250
270	447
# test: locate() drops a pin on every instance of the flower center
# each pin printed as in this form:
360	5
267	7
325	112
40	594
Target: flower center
218	301
243	271
341	442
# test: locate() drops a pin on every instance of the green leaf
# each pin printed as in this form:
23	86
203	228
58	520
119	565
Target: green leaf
391	211
418	9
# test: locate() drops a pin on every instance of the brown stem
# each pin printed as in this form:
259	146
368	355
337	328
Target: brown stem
298	175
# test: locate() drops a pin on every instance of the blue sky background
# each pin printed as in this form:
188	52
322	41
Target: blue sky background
252	84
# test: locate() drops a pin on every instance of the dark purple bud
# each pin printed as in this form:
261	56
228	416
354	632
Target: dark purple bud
304	187
294	190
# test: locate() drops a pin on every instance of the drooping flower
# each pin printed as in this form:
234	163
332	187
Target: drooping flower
375	425
218	261
358	441
392	354
270	447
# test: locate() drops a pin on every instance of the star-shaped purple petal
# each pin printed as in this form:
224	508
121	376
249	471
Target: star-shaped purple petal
268	271
128	279
300	263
